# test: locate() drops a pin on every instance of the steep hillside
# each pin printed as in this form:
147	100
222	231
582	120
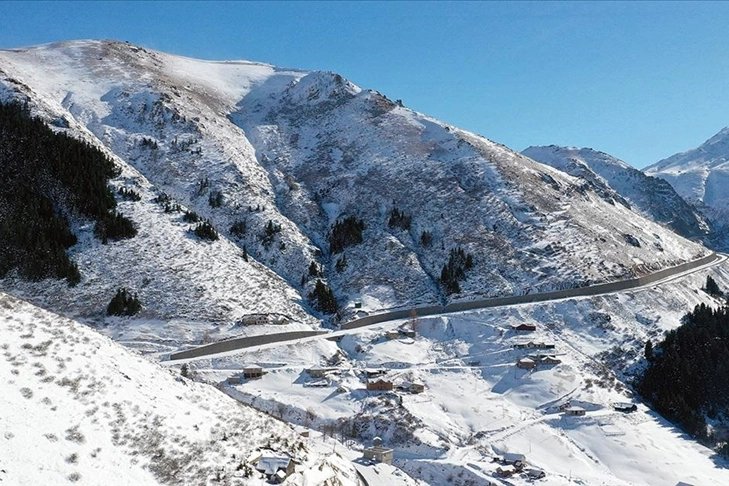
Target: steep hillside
307	177
651	196
78	408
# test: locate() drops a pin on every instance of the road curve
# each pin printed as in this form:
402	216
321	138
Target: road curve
246	342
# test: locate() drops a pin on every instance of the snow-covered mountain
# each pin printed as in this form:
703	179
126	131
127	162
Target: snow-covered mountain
79	408
651	196
284	155
701	176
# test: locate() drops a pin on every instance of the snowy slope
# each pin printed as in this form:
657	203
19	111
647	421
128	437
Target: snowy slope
478	405
651	196
358	154
301	150
78	408
118	97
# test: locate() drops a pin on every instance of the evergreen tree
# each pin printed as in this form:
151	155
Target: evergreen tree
269	233
454	270
44	177
712	288
123	304
215	199
238	228
426	238
323	298
341	263
399	219
206	231
191	217
648	351
345	233
689	374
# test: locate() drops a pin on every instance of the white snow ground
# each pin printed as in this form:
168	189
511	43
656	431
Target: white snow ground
78	408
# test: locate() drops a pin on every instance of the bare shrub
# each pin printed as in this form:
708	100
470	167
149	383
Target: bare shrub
75	435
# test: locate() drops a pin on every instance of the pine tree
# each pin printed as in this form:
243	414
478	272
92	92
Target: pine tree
123	304
345	233
206	231
712	288
323	298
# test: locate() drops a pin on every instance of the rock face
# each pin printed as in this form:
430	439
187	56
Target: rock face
312	183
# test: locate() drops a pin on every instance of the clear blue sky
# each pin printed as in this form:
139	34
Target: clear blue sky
640	81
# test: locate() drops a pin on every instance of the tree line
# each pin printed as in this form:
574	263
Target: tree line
688	372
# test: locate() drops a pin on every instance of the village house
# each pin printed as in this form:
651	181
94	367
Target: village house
523	327
252	372
276	468
379	385
234	380
373	372
506	471
318	372
392	334
548	360
407	332
526	364
254	320
625	407
535	473
533	345
514	459
378	452
575	411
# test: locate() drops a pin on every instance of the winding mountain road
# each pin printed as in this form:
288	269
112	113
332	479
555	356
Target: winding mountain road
230	346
